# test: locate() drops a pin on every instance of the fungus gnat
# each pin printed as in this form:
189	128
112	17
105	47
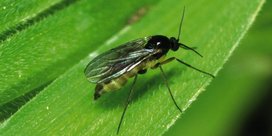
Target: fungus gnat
111	70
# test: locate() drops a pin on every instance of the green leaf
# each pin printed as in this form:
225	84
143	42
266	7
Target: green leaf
225	109
44	49
15	13
66	107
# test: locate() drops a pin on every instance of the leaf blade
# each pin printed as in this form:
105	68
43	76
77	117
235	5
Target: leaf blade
40	53
98	118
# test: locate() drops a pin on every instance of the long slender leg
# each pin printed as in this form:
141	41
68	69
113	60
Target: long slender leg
127	103
162	63
167	85
182	62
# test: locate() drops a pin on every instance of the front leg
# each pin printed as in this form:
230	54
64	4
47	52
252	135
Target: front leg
164	62
182	62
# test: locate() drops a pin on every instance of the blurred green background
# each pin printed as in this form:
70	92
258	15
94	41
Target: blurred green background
239	101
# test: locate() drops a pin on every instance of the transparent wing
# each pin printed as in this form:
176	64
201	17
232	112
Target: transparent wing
117	61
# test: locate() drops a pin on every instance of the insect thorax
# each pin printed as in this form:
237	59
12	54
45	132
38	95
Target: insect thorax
159	42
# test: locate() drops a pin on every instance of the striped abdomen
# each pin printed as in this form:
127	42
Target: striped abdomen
114	84
117	83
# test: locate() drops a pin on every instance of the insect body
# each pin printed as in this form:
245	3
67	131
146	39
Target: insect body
111	70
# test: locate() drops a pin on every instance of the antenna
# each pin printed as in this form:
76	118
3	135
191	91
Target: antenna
181	21
181	45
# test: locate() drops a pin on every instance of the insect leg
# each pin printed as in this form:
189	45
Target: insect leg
164	62
182	62
167	85
127	103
